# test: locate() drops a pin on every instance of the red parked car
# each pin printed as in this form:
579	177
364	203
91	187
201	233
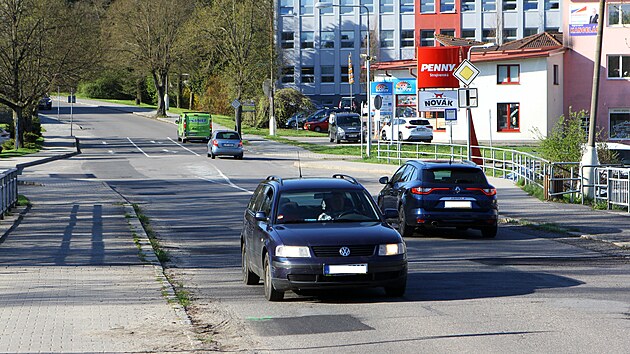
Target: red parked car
318	120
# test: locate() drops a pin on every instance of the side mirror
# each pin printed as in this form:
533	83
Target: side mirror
383	180
177	121
261	216
391	213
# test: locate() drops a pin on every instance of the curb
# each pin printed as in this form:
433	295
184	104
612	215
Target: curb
147	253
44	160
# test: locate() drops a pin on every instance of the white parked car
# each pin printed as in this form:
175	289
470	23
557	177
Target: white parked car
409	129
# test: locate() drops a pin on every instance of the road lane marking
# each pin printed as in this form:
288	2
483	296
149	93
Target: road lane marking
182	146
134	144
229	183
104	142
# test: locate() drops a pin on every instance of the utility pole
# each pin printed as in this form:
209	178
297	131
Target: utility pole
590	157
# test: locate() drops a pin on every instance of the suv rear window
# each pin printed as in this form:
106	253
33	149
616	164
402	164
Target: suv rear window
348	120
228	136
452	175
419	122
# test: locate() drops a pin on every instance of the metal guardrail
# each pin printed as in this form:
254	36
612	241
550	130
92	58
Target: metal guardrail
8	190
555	178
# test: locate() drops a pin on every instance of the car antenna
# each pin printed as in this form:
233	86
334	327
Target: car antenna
299	164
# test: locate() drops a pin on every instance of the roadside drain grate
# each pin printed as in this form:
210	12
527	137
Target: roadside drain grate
278	326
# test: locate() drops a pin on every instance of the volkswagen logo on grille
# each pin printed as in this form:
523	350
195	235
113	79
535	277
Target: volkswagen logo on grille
457	190
344	251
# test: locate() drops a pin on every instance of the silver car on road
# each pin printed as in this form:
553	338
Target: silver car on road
225	143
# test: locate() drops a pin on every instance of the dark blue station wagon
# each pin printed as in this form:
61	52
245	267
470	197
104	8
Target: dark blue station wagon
319	233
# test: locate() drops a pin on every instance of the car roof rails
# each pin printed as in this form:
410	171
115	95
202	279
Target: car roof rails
346	177
274	178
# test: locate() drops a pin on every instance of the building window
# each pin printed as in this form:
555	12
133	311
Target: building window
618	66
448	32
328	73
488	5
447	5
369	4
406	6
306	7
427	6
308	74
509	5
327	39
344	74
286	7
325	10
288	75
347	39
387	6
468	5
530	5
508	117
508	74
286	40
406	38
618	14
619	123
509	34
345	6
552	29
387	39
468	33
306	40
556	74
530	32
552	4
427	38
489	35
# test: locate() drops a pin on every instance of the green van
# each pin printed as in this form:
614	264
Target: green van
194	126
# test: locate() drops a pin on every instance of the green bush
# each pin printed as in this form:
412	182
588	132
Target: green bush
110	85
30	137
8	144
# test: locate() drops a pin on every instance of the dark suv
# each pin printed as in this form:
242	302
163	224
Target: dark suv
430	194
314	233
344	126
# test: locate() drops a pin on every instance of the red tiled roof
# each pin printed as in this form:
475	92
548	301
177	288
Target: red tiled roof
450	41
540	40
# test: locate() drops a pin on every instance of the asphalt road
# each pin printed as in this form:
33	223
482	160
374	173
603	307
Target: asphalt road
525	291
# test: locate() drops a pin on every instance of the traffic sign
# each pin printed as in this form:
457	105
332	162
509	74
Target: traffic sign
249	106
467	97
236	104
466	72
450	114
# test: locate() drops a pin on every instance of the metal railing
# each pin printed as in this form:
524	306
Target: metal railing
8	190
555	178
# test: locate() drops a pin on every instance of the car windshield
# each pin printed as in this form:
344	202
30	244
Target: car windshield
228	136
325	206
348	120
455	176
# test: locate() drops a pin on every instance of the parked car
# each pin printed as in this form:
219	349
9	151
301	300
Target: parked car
296	121
45	103
348	104
225	143
431	194
344	126
319	233
318	120
194	126
410	129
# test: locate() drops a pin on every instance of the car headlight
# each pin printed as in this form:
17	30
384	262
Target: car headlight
293	251
391	249
340	130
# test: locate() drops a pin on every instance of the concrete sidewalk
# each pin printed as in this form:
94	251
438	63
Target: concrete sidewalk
78	272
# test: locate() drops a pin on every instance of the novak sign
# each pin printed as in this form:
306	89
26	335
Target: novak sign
436	65
436	100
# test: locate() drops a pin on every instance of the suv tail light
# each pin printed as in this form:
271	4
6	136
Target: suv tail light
410	126
184	125
486	191
215	143
240	144
428	190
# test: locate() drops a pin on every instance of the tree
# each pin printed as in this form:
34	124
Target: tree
143	34
43	43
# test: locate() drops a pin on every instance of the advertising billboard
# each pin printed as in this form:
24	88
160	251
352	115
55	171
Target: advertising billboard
436	66
583	19
404	87
436	100
385	91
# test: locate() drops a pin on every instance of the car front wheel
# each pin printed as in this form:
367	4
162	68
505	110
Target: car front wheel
318	129
397	290
271	294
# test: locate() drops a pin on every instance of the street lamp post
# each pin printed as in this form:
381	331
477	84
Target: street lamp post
323	5
468	119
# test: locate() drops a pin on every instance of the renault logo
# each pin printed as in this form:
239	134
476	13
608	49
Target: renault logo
344	251
457	190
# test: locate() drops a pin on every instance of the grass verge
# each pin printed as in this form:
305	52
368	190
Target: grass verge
23	200
161	254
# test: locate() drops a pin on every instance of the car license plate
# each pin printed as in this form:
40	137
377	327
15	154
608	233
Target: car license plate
421	129
228	144
353	135
457	204
345	269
